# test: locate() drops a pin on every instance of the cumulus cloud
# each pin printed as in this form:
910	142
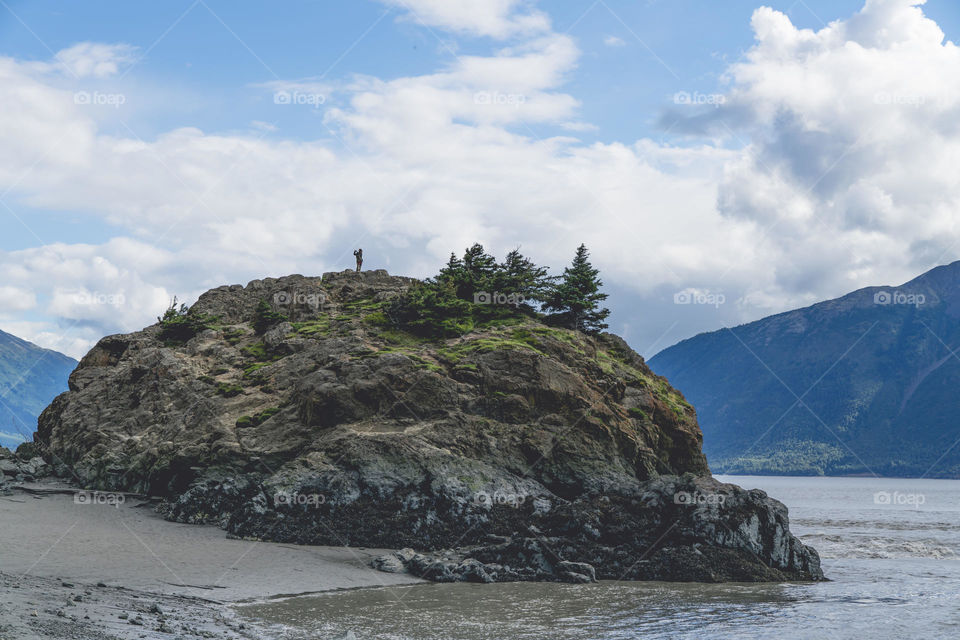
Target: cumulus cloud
89	291
829	164
848	133
428	164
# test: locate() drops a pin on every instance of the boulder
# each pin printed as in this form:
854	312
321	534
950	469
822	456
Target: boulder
389	563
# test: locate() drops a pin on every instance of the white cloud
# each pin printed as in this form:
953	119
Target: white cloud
832	188
853	137
91	290
16	299
66	339
94	59
429	165
494	18
614	41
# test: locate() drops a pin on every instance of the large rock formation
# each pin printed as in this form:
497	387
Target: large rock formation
518	451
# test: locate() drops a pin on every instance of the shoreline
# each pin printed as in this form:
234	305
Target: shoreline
79	571
867	476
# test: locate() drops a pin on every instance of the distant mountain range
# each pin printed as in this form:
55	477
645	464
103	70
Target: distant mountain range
30	377
866	383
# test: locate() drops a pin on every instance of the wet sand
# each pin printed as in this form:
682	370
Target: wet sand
61	561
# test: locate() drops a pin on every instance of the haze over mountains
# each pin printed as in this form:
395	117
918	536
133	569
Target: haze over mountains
866	383
30	377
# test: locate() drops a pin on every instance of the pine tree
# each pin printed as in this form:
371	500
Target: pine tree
446	305
479	269
453	270
576	298
520	276
478	262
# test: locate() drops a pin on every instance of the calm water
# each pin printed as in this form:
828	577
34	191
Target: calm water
891	548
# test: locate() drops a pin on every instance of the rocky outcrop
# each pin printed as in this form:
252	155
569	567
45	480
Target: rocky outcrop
20	467
516	452
715	535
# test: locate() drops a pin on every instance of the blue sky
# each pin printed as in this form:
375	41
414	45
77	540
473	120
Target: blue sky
211	69
784	193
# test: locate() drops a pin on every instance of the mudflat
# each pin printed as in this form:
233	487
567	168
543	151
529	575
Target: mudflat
113	568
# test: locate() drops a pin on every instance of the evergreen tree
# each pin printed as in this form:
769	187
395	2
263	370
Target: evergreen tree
479	271
453	270
433	309
180	323
446	305
576	298
519	275
173	313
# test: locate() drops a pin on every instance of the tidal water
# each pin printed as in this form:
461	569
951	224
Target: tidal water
890	547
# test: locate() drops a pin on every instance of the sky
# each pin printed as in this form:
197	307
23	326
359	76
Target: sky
722	161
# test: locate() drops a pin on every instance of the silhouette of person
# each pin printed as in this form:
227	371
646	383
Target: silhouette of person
358	254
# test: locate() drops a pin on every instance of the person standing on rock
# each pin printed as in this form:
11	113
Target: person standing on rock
358	254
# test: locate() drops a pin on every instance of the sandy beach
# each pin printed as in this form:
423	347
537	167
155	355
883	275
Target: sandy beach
102	570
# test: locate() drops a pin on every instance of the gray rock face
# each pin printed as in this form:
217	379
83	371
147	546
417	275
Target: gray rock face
389	563
529	452
14	467
9	467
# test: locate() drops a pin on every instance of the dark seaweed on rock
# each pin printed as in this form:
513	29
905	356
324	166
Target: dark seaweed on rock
335	427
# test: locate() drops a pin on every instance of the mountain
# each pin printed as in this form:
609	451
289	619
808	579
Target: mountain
863	384
30	377
295	410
